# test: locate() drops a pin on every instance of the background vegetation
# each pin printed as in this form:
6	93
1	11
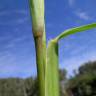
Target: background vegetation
83	83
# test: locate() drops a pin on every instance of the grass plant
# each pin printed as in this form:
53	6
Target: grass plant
47	57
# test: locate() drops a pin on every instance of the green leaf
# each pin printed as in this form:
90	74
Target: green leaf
51	71
75	30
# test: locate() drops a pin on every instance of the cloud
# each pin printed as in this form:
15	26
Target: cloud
71	2
11	17
10	12
83	15
11	65
16	56
74	62
14	21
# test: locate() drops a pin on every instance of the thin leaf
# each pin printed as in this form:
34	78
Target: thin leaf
75	30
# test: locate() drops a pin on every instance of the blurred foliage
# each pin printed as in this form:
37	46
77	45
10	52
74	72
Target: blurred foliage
83	83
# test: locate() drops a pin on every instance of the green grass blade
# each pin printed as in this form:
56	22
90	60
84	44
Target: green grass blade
51	72
75	30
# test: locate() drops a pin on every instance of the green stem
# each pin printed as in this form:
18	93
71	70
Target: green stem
38	25
44	49
40	65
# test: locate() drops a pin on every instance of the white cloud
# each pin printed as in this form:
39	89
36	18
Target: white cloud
73	63
71	2
6	12
13	20
83	15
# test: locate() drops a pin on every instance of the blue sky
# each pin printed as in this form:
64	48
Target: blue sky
17	55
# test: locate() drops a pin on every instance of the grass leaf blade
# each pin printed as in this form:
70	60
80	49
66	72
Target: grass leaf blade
75	30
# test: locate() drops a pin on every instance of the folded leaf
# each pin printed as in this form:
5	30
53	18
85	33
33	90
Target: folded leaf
51	71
